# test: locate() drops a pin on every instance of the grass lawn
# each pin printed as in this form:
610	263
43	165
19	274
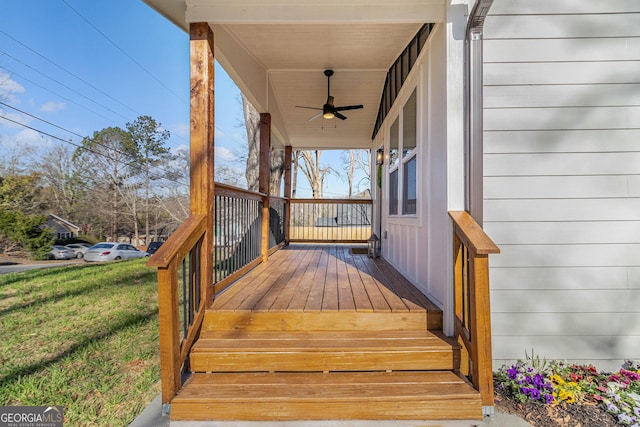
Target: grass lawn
84	337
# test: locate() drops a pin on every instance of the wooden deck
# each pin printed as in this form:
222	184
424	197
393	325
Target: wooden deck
319	333
329	277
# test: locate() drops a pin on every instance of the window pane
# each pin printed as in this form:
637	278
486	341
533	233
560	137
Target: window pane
393	193
409	125
409	187
393	144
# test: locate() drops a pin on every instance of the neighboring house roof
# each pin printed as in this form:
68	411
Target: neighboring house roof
61	225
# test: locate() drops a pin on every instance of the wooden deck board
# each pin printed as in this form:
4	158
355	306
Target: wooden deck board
322	278
353	395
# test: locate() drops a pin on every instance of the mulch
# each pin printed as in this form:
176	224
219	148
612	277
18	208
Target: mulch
563	415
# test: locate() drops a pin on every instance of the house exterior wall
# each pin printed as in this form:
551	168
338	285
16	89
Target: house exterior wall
562	178
412	243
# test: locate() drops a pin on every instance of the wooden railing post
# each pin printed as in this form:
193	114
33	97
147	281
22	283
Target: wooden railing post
263	178
169	333
472	308
287	191
481	326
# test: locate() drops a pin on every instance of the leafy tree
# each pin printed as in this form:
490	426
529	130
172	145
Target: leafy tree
27	232
22	193
149	139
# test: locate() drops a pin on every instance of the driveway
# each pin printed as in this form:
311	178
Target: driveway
17	265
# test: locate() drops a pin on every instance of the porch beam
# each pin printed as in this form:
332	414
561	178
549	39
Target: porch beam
202	142
263	178
294	11
287	191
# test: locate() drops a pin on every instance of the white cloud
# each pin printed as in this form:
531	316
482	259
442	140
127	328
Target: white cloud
53	107
9	87
181	129
224	154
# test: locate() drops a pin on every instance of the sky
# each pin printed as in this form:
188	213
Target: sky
69	68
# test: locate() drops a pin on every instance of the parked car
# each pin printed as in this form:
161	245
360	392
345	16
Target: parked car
61	252
79	248
109	251
153	247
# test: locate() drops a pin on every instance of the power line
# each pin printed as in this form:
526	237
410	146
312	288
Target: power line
57	94
68	72
124	53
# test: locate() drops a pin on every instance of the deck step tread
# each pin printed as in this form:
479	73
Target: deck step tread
319	341
238	351
336	395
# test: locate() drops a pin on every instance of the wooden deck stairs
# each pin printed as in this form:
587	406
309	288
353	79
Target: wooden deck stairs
324	364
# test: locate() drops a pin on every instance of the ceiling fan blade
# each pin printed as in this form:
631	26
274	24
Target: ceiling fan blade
310	108
315	116
349	107
340	116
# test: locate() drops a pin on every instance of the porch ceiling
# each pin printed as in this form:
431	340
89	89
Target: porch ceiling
276	52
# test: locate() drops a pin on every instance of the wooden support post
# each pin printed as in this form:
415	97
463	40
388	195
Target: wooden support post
287	192
202	143
169	335
482	372
263	179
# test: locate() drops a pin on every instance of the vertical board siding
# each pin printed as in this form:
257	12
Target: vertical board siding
562	178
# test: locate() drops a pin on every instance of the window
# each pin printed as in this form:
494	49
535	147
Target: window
393	193
393	144
403	163
409	196
409	181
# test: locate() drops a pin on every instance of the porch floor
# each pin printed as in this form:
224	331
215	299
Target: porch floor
324	277
320	333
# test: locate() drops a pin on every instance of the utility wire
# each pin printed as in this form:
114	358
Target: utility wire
68	72
125	53
58	94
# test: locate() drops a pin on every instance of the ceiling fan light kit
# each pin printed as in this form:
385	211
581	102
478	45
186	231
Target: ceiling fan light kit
329	111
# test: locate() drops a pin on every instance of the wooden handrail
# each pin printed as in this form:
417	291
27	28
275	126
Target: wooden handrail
471	234
185	242
334	201
179	246
229	190
471	249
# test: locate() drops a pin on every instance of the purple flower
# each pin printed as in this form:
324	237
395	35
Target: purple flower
512	373
548	399
538	380
534	393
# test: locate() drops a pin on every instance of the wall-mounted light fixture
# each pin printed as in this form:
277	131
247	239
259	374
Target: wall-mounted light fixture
380	156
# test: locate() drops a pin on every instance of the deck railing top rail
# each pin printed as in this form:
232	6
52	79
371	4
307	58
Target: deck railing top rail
189	232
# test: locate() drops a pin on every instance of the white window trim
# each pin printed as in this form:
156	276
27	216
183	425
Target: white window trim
397	112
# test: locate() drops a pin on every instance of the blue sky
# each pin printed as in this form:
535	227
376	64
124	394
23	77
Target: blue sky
86	65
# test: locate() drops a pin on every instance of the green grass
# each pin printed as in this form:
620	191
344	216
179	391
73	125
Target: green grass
84	337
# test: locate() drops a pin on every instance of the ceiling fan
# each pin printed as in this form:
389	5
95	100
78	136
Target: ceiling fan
328	110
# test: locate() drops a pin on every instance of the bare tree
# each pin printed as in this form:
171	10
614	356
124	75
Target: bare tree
63	184
252	171
313	171
107	157
252	125
357	161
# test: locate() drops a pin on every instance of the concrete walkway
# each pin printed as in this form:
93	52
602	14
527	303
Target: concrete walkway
152	417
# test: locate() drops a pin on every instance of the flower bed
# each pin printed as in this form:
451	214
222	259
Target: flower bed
559	389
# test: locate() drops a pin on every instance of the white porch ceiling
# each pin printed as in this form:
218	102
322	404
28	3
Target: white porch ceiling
277	50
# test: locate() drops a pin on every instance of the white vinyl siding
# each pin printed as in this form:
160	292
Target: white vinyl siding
562	178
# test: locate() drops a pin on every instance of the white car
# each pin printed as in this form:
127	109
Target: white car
110	251
79	248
